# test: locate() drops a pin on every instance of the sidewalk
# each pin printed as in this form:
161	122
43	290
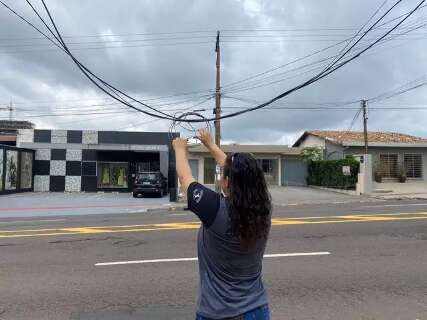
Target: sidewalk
30	204
296	196
395	190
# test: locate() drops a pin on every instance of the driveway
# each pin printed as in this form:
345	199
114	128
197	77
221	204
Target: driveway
31	204
285	196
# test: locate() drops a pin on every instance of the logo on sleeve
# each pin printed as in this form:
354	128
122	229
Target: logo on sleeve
197	195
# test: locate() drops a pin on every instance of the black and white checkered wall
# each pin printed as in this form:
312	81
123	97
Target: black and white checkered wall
64	164
66	160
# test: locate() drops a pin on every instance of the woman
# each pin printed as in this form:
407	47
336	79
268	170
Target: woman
233	235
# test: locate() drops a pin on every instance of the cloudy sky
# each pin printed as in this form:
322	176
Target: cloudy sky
163	53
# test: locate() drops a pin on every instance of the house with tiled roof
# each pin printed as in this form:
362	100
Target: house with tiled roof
9	130
281	164
391	151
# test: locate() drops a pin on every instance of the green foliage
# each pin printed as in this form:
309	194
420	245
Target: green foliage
401	174
329	174
309	154
379	171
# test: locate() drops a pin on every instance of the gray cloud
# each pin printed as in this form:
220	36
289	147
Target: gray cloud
33	73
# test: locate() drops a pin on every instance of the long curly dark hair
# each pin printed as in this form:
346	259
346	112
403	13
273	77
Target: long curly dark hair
249	201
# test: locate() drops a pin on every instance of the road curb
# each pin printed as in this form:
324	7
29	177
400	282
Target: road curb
341	191
169	207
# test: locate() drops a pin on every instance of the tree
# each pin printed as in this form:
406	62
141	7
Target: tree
311	154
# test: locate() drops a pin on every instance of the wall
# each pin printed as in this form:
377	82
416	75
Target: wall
333	151
66	160
376	151
200	161
277	170
313	141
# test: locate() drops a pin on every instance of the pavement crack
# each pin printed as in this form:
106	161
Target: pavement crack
316	237
83	240
8	245
129	243
118	306
415	236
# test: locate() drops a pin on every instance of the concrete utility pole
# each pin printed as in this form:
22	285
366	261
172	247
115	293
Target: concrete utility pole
218	93
217	110
365	124
10	111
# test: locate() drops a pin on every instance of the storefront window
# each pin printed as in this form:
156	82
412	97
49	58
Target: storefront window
11	169
26	170
113	174
1	169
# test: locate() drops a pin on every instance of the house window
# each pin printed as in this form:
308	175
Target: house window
413	165
389	163
270	167
266	165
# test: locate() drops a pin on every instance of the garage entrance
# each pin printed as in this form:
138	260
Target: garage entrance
294	172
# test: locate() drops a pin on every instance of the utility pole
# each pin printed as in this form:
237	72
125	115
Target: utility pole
365	124
217	110
10	111
218	93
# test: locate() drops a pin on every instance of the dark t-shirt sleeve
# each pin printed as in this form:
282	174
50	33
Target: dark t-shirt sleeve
204	202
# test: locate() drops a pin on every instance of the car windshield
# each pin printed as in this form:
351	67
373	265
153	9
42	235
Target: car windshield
148	176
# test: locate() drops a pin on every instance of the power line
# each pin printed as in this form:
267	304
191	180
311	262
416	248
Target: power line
196	94
311	54
262	82
327	106
412	85
61	44
321	75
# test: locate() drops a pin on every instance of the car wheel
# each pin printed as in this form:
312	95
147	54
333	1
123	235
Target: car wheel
137	195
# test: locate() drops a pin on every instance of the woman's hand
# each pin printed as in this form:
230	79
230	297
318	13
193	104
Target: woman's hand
205	137
179	144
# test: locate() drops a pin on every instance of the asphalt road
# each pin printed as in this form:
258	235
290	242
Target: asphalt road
376	267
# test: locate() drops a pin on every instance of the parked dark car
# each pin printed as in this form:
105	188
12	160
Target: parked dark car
150	183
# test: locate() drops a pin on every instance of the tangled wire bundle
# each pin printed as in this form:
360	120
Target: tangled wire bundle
188	129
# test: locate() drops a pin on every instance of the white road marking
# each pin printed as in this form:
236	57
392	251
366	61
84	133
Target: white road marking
296	254
277	255
397	205
179	214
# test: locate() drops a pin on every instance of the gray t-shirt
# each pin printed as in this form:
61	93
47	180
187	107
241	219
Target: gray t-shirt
230	277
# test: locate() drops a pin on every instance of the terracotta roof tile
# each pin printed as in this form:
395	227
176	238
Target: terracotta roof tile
354	136
228	148
7	138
